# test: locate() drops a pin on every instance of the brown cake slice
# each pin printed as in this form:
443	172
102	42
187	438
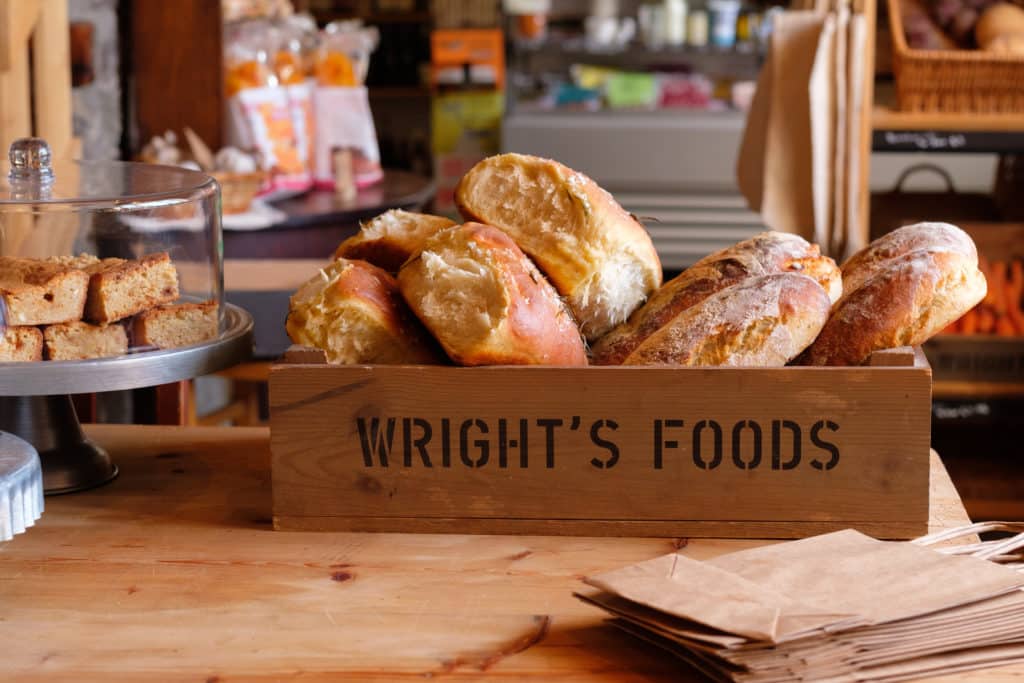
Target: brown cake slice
79	341
36	292
175	325
21	344
119	288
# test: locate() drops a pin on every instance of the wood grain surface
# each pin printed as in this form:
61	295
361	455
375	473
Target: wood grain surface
172	573
643	450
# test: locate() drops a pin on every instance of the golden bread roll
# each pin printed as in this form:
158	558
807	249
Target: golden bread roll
761	322
353	311
763	254
935	236
486	302
909	299
595	253
1000	28
391	238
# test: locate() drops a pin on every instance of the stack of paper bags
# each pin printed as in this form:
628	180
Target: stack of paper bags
802	160
838	607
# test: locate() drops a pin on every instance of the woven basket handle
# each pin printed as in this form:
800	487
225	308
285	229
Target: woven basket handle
916	168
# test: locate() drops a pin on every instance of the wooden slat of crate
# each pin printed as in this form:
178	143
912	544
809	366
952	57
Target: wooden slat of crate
326	474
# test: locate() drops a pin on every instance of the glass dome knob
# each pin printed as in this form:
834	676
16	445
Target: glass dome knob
30	159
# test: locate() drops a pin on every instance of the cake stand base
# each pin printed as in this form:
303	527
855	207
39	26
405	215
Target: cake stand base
70	462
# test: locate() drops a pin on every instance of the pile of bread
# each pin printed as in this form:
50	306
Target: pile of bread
82	307
550	270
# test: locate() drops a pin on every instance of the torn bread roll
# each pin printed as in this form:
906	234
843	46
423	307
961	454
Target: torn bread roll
388	240
936	236
763	254
761	322
908	300
486	302
596	254
354	312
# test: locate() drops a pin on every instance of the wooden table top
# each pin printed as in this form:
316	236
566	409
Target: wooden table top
173	573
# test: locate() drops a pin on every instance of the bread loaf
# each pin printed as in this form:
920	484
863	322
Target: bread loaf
21	344
388	240
354	312
763	254
935	236
761	322
595	253
82	341
908	299
35	292
172	326
487	304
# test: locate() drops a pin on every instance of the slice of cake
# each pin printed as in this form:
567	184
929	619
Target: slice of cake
21	344
174	325
119	288
79	341
37	292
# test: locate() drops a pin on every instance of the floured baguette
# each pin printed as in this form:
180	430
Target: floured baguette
487	304
354	312
935	236
761	322
35	292
595	253
388	240
21	344
908	300
763	254
81	341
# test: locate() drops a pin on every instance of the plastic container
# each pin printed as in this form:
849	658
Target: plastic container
675	23
724	15
697	28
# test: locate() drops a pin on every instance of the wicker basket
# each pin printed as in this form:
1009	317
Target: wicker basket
954	81
237	190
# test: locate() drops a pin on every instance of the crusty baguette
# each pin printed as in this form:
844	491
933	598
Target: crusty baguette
487	304
936	236
119	288
761	322
763	254
596	254
80	341
388	240
354	312
909	299
21	344
171	326
37	292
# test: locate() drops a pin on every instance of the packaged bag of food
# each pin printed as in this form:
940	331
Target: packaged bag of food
345	134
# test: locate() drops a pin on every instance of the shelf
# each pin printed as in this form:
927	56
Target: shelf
955	389
886	118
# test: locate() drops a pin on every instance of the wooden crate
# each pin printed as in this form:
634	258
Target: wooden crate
631	451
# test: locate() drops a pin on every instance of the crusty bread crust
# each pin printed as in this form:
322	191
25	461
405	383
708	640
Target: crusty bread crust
388	240
936	236
761	322
596	254
81	341
35	292
763	254
171	326
21	344
119	288
354	312
486	302
909	299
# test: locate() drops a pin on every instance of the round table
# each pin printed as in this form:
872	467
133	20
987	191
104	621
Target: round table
319	220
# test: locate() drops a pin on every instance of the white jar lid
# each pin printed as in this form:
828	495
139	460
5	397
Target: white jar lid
21	486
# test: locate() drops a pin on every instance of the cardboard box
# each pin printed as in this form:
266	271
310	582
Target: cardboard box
630	451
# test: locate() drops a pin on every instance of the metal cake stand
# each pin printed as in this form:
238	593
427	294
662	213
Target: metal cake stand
35	401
